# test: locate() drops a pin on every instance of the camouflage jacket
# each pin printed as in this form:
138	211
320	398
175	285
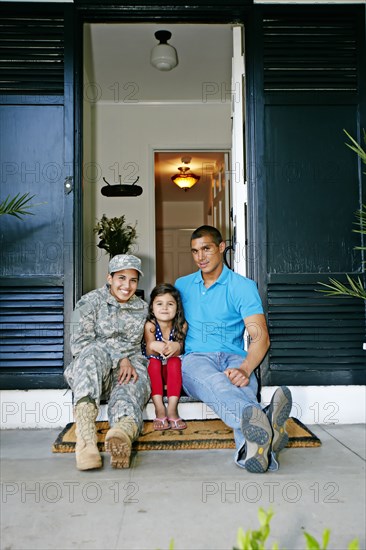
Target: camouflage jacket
100	319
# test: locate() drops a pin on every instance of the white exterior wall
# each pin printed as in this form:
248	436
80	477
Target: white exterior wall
125	137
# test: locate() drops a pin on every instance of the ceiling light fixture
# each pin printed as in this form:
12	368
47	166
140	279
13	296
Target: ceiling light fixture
185	179
163	55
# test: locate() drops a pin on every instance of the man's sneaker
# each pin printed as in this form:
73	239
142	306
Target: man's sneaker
278	413
258	437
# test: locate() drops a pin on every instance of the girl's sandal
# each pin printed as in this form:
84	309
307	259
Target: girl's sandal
177	424
161	424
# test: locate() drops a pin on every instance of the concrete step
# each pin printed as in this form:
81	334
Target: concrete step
188	408
312	405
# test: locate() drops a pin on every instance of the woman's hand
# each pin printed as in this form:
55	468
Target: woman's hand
126	372
238	377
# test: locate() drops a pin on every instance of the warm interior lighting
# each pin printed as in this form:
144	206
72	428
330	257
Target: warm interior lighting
185	179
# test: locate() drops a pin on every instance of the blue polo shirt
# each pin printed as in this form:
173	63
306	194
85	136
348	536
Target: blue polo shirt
215	315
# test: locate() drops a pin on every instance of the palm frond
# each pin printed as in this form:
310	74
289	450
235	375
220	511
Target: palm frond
356	147
361	221
17	206
355	289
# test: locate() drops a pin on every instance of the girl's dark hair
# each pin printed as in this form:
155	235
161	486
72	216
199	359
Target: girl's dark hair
179	319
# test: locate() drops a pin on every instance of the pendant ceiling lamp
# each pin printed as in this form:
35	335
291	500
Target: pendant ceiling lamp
185	179
163	55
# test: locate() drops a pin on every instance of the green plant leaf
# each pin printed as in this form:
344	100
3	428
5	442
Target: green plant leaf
356	147
336	288
355	287
326	536
361	223
253	540
311	542
18	206
354	545
116	236
240	537
263	516
243	539
256	539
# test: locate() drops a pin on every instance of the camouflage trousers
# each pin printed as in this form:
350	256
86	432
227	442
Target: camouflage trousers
91	375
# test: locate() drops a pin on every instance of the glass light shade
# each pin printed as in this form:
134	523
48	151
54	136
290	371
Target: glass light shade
164	57
185	181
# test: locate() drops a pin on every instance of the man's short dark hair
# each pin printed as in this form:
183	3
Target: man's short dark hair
207	230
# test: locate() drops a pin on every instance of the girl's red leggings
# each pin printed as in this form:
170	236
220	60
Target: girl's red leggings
169	374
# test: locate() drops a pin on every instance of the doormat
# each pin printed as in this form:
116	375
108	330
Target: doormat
200	434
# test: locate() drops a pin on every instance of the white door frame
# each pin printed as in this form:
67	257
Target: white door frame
239	190
169	149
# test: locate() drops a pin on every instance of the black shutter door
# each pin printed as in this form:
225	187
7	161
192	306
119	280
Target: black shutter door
36	251
312	82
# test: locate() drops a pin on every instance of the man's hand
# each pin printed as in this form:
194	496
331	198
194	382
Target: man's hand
259	343
126	372
237	377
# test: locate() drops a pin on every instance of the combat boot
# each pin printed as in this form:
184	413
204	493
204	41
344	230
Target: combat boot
86	451
119	439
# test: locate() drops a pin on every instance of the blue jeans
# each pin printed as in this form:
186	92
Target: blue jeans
204	379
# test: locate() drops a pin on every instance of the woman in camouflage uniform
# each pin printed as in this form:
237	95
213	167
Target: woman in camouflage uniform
108	325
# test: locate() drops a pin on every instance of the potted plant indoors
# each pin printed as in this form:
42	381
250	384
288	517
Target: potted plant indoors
115	235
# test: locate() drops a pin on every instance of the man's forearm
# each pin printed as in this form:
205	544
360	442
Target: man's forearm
256	353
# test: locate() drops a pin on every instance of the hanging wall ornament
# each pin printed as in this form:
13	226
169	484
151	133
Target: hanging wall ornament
121	189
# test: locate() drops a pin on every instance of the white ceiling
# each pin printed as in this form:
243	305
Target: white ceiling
120	53
117	62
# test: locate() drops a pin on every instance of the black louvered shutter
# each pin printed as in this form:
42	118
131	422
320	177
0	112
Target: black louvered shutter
313	52
36	156
316	334
32	54
31	328
312	69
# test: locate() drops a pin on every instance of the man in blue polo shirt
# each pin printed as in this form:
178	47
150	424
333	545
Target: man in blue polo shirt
219	305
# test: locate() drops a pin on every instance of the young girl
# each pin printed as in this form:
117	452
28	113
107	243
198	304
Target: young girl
164	334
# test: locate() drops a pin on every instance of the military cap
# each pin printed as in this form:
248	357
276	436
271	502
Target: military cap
124	261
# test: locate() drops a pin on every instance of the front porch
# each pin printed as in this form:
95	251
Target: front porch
47	503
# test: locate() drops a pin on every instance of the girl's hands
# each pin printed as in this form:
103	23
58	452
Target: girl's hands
171	349
157	347
166	348
126	372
